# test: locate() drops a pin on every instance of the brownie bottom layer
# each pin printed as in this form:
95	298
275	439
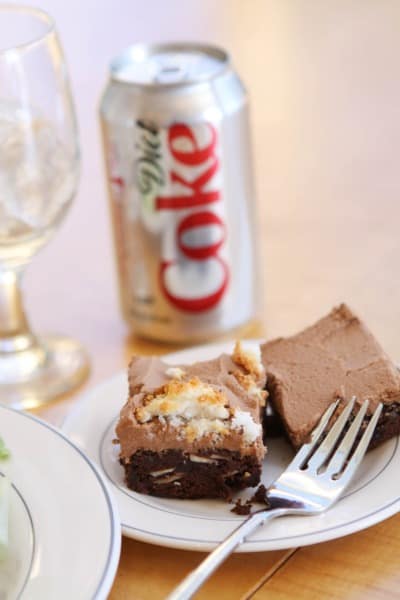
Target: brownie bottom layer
177	474
388	425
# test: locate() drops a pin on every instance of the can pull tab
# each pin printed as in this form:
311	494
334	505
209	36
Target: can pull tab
170	73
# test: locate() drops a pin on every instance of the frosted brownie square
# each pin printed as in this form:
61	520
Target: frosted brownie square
337	357
194	431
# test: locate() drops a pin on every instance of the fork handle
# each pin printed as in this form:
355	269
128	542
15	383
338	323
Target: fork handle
206	568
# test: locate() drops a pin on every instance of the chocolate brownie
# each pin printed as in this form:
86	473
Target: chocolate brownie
337	357
194	431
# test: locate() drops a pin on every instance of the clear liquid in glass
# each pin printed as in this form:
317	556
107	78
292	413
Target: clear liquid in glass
38	178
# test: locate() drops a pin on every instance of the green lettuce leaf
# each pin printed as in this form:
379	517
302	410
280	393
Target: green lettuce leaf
4	452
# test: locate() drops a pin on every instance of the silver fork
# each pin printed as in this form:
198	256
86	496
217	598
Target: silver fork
312	483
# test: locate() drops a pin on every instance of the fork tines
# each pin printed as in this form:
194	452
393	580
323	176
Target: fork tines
338	451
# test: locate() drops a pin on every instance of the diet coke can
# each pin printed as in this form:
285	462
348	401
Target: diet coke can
178	161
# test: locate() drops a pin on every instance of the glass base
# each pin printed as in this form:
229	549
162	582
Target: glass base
32	377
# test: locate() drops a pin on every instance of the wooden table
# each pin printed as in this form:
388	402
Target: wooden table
325	92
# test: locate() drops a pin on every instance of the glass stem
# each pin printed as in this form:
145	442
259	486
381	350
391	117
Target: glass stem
15	334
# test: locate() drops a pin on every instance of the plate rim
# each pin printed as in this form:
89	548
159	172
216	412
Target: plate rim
266	546
160	539
113	555
18	492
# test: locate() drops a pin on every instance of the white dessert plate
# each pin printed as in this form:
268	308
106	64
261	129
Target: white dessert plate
64	527
201	524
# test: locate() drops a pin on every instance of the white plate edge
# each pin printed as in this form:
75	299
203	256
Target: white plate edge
110	569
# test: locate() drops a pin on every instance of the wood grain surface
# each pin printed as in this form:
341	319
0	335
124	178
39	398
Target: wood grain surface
325	92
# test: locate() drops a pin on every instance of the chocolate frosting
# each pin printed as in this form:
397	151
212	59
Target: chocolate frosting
335	357
346	337
148	375
303	381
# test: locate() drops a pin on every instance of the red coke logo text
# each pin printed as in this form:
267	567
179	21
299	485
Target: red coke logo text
197	277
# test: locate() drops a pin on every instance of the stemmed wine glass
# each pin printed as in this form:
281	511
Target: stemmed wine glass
39	171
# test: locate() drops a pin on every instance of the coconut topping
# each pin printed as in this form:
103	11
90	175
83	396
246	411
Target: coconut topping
243	420
185	399
248	355
197	409
175	372
198	428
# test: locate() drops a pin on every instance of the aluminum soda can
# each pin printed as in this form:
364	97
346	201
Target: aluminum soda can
178	162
